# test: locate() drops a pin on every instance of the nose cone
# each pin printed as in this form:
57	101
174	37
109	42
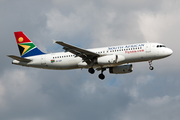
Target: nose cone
169	52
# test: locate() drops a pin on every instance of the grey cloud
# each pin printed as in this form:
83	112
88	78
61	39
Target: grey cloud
115	21
155	108
38	97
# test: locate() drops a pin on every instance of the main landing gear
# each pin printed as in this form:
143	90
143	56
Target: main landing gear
101	76
91	70
150	65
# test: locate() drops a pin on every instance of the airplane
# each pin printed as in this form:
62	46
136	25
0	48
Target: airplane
118	59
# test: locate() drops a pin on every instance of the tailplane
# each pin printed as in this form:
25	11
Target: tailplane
26	47
19	58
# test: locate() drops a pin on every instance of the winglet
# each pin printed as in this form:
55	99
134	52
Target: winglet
53	41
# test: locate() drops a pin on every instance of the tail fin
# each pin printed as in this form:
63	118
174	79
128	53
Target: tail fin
26	47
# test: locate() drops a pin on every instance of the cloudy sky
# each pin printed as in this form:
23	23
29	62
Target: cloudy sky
36	94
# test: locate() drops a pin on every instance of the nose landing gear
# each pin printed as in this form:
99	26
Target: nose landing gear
151	68
150	65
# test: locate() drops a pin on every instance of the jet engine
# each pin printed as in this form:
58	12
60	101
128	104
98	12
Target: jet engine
110	59
121	69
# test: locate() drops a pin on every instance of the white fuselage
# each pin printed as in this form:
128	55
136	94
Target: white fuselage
130	53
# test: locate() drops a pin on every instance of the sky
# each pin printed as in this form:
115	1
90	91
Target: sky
38	94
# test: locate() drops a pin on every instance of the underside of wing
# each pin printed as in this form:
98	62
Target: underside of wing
86	55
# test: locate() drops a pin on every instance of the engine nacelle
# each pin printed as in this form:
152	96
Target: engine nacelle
110	59
82	64
121	69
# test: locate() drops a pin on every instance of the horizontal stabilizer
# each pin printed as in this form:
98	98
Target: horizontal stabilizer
19	58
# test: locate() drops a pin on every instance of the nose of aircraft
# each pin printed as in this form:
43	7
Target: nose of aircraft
169	51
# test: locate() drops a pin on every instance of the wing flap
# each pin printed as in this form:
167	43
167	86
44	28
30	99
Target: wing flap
19	58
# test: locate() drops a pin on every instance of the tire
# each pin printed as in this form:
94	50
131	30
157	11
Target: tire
151	68
91	70
101	76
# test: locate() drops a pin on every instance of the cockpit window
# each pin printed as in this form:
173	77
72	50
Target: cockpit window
160	46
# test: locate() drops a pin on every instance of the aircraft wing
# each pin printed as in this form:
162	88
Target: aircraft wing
86	55
19	58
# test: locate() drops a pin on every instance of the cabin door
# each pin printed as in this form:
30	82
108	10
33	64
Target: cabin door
148	47
43	60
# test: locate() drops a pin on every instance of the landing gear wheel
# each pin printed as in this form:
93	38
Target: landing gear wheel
150	63
101	76
151	67
91	70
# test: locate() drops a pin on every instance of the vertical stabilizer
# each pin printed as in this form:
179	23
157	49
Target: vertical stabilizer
26	47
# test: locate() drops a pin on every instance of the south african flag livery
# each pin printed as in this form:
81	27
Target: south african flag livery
26	47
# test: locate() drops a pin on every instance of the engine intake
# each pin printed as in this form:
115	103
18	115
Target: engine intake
121	69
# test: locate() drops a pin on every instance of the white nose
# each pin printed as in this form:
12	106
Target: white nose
169	52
